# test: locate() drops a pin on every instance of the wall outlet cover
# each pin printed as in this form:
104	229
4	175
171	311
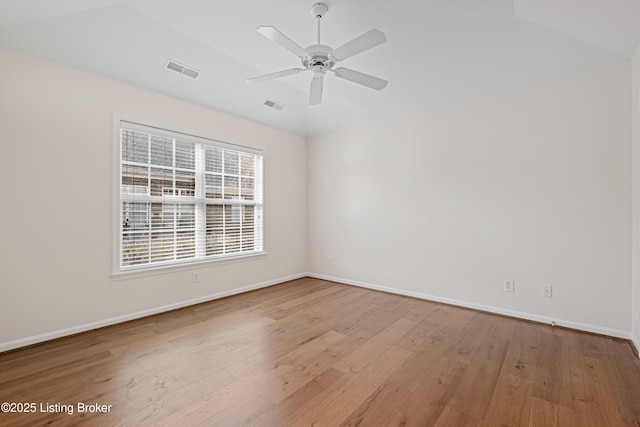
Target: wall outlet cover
509	286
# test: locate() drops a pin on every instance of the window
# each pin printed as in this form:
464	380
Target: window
185	199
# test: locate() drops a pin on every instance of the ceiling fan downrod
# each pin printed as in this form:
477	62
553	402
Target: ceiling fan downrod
319	10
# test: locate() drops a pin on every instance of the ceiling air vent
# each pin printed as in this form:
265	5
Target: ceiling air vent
274	104
182	69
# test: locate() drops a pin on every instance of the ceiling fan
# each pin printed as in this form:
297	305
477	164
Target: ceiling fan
319	58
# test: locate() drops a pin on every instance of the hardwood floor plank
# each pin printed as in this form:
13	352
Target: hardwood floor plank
589	407
342	401
526	333
426	332
323	384
504	328
477	386
421	311
412	373
452	418
286	338
290	381
152	412
213	403
521	361
471	337
196	368
544	413
240	413
294	306
553	370
368	352
626	389
432	395
382	316
307	370
21	380
510	403
380	407
590	345
606	394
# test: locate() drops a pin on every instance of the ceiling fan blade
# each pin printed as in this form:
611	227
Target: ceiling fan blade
271	76
273	34
361	78
315	92
371	38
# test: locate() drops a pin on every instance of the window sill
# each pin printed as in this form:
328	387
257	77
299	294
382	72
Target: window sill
172	268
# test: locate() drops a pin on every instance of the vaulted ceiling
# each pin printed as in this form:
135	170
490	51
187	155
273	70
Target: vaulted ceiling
438	51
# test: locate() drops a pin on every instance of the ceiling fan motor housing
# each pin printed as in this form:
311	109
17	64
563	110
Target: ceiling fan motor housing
318	57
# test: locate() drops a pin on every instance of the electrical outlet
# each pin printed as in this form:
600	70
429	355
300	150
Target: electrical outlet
547	291
330	260
195	277
509	286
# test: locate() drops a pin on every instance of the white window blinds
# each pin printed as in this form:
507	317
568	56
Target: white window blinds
185	199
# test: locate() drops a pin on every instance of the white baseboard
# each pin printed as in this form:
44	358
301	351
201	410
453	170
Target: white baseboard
635	341
490	309
23	342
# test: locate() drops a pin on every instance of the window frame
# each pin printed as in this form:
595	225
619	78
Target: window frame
162	129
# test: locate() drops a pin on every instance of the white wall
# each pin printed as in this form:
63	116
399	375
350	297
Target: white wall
635	127
55	153
532	185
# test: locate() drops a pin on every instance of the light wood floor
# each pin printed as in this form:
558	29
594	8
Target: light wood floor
310	352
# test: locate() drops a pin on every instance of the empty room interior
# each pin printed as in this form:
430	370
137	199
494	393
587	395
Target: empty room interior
289	213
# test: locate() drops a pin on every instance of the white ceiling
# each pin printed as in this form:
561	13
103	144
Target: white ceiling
438	51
